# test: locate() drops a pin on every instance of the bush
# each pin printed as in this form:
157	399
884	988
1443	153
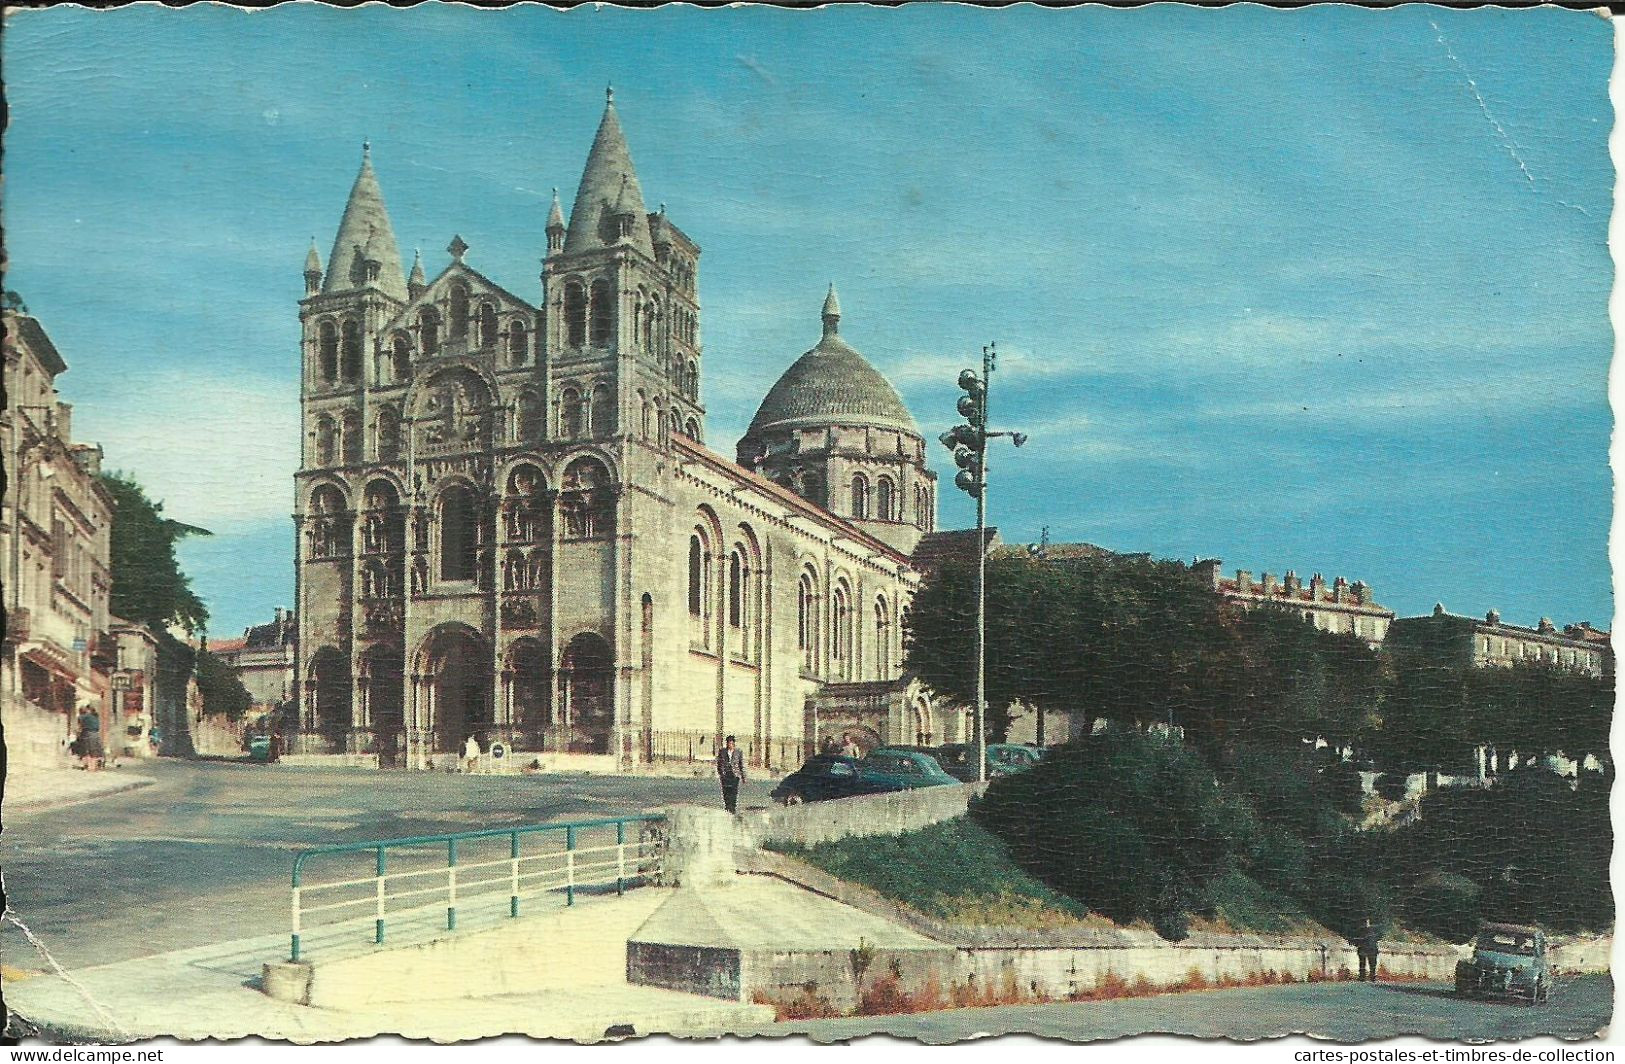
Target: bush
1133	826
1445	905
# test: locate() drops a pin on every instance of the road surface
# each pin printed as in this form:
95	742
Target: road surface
1345	1012
204	854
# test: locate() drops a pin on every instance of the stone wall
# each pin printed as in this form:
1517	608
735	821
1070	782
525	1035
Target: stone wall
879	814
36	739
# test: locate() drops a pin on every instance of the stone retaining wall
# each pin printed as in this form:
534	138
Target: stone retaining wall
878	814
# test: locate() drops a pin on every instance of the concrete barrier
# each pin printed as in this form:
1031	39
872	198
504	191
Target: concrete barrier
876	814
1570	954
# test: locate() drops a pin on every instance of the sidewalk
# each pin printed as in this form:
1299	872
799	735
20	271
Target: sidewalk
28	790
214	992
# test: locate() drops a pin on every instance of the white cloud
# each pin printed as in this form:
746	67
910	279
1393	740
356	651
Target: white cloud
218	451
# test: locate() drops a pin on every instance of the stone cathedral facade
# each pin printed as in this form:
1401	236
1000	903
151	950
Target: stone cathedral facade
509	525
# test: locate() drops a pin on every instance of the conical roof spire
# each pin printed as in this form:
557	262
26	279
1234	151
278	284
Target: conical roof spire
365	229
416	278
609	186
832	312
313	261
555	216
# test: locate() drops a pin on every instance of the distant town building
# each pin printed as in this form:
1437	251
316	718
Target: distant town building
135	689
56	524
263	660
1341	608
1491	641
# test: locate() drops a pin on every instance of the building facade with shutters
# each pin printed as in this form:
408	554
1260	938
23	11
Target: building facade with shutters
510	527
56	523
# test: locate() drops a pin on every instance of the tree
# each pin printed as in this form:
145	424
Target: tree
223	693
148	584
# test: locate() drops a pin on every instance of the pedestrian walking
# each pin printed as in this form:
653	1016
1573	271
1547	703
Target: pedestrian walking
1367	948
89	744
730	770
471	754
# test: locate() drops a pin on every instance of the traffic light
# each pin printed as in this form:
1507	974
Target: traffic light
970	439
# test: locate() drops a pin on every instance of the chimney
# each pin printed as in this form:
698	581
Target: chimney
1244	581
1340	589
1362	592
1547	626
1317	587
1270	586
1207	571
1292	584
1493	617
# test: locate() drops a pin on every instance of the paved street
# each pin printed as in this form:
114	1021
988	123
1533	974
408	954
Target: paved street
1342	1011
204	854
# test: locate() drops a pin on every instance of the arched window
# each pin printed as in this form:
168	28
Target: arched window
488	325
327	441
840	644
352	350
458	549
807	621
402	358
736	590
352	437
528	515
429	330
528	417
575	314
860	497
692	430
571	415
518	344
696	575
691	380
883	500
459	311
387	438
603	411
645	412
329	525
328	344
603	312
883	637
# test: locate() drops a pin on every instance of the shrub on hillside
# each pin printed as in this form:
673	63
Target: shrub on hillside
1133	826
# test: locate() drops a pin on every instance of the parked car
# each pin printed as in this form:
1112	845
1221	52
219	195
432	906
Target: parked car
1014	757
828	776
259	747
910	767
1509	960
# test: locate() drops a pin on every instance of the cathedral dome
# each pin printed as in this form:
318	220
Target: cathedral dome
833	384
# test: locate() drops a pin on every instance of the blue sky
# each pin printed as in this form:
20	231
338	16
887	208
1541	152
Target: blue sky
1322	289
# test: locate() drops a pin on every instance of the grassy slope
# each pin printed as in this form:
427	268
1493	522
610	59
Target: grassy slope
960	873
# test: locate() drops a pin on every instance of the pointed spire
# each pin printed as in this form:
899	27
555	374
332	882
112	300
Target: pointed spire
416	283
609	188
555	215
313	270
365	231
832	312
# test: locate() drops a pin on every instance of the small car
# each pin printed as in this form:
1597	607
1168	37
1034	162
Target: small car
259	747
827	776
909	767
1509	960
1013	757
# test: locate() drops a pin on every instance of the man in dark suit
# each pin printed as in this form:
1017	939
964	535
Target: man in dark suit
730	770
1367	947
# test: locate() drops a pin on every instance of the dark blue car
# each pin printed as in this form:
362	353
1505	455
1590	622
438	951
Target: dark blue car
829	776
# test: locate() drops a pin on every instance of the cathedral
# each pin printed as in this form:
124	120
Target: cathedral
509	526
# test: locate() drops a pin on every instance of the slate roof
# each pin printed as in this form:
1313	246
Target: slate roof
936	549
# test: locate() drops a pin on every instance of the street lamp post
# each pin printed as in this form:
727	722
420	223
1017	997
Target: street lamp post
969	444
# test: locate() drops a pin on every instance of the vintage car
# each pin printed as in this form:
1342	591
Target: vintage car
829	776
1509	960
959	759
907	766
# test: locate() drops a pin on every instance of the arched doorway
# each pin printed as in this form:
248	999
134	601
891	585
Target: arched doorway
455	671
587	692
529	695
383	678
330	685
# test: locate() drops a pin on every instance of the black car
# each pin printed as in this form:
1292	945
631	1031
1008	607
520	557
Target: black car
829	776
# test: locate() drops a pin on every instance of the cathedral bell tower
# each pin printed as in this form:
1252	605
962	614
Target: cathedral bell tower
622	313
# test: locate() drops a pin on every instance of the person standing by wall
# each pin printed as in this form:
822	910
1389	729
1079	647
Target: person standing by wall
1367	947
730	770
89	743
